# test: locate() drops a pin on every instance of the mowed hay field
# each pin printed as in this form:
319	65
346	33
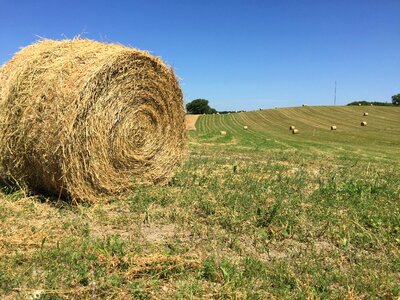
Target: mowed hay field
379	140
254	214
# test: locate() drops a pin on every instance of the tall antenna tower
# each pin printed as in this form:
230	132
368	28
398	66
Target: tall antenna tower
334	100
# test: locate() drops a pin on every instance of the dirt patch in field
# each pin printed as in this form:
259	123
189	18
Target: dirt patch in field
158	233
191	121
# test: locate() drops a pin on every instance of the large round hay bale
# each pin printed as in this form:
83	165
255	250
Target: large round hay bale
245	127
295	131
363	123
333	127
86	119
222	132
365	114
292	127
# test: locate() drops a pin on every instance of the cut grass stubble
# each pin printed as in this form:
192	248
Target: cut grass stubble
258	219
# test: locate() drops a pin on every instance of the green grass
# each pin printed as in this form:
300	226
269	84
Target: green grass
257	214
379	140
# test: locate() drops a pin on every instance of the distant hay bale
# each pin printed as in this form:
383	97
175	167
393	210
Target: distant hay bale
304	104
245	127
365	114
295	131
359	104
222	133
333	127
292	127
363	123
85	119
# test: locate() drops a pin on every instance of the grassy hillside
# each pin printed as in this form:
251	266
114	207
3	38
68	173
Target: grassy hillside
380	139
256	214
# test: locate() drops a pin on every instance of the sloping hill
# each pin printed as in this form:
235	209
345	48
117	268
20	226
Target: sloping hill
255	214
270	128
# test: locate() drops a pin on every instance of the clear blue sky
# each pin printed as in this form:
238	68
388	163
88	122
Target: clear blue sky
237	54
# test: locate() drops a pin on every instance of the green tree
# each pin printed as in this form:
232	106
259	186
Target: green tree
396	99
199	106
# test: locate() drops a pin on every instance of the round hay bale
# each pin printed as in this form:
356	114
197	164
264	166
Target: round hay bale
359	104
222	133
295	131
365	114
363	123
85	119
333	127
292	127
245	127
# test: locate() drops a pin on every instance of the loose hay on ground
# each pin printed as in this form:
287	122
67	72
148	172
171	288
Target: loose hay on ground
85	119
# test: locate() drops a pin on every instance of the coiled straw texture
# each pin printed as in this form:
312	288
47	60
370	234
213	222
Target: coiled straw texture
84	119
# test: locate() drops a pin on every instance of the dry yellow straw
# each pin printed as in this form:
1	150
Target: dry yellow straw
85	119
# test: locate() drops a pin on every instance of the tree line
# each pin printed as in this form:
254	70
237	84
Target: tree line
201	106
